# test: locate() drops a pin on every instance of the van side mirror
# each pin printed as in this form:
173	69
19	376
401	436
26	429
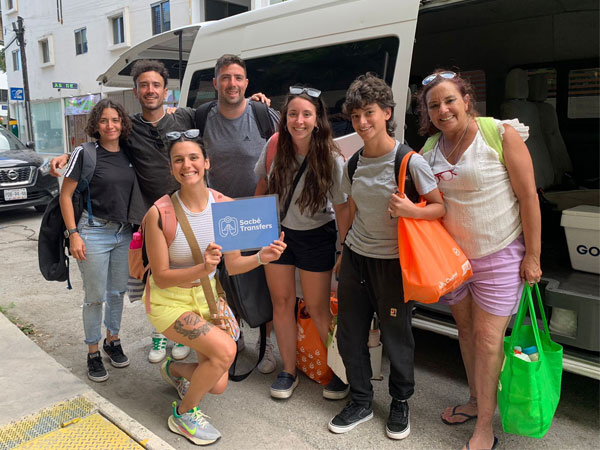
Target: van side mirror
30	144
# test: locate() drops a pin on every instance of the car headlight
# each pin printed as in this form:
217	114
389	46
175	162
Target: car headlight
45	167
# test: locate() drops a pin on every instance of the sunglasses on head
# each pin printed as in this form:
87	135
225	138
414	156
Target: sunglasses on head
297	90
188	134
429	78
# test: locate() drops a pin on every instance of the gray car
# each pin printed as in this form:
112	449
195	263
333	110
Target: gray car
24	177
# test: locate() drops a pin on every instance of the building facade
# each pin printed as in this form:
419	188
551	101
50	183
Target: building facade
69	43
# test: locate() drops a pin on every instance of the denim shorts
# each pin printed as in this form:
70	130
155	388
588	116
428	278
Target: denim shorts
310	250
496	284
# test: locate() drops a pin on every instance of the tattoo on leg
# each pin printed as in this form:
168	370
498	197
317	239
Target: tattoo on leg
192	320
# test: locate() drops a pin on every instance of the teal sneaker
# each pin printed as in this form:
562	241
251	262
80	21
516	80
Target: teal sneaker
179	383
194	426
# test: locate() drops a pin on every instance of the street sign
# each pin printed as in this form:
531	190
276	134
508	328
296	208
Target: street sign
61	85
17	94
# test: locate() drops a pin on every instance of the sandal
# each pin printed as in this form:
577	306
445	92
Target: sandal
454	413
494	445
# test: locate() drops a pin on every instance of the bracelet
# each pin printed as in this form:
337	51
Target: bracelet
260	261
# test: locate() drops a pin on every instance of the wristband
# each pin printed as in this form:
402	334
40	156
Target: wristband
260	261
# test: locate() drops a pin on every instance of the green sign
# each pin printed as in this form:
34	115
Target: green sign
61	85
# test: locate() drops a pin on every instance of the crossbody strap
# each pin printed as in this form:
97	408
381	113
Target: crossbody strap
288	200
196	254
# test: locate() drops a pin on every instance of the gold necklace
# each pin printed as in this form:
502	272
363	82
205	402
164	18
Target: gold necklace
457	144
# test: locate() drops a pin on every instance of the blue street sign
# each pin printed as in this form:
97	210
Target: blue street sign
246	224
17	94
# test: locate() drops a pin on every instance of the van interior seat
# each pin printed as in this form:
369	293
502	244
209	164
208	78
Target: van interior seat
516	106
561	161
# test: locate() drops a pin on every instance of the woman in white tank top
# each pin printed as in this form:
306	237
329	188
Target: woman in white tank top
493	213
178	307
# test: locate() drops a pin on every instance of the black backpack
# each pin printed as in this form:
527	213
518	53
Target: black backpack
409	187
52	244
261	114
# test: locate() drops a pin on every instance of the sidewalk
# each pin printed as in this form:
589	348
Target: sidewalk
39	396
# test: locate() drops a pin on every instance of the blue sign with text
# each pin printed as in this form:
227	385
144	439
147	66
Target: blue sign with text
246	224
17	94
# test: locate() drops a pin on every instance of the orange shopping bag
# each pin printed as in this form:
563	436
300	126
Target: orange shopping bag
311	353
432	262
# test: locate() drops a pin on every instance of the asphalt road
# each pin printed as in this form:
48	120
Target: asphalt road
245	414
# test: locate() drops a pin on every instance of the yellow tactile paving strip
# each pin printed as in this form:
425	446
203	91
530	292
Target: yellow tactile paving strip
91	433
72	424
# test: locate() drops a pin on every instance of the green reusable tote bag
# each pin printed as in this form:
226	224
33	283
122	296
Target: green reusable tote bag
528	392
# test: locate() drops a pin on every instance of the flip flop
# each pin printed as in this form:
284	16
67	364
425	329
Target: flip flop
454	413
494	445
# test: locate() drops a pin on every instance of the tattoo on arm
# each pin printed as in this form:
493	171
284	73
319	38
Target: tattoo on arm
200	326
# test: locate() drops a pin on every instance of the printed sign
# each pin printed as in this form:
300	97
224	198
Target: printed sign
246	224
62	85
17	94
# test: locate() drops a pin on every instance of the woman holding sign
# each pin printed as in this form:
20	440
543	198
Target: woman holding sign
178	307
306	173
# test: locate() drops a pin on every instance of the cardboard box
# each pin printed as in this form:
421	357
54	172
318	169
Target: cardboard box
582	228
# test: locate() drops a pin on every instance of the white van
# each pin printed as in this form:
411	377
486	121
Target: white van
549	45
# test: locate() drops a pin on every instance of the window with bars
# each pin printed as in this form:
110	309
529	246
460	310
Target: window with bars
81	44
118	30
161	17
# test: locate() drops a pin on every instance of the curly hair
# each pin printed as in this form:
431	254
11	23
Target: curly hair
149	65
91	128
367	89
227	60
319	160
426	127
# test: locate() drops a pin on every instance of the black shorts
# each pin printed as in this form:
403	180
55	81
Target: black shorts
310	250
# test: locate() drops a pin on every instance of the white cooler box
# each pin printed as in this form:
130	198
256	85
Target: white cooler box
582	227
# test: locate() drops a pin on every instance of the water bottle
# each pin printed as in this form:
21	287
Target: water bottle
136	240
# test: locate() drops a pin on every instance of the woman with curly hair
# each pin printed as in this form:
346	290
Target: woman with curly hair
484	170
305	154
100	242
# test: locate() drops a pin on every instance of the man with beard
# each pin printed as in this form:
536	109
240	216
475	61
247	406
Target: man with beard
234	138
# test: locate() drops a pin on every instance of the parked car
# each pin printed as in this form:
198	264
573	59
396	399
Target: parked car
24	175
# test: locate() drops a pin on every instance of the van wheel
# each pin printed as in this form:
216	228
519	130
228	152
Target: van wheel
40	208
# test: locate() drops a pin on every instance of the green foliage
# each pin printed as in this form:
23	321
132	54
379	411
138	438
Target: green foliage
26	328
2	60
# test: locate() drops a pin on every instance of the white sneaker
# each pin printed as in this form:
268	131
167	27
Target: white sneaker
158	352
180	351
268	363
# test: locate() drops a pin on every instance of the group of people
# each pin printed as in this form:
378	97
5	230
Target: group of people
484	195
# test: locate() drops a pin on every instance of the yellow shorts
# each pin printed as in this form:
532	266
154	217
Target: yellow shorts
167	305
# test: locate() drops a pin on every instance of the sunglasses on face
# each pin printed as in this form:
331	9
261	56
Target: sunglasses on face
297	90
429	78
188	134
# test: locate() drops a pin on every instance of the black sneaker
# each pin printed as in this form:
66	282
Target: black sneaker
115	353
96	370
398	423
336	389
350	416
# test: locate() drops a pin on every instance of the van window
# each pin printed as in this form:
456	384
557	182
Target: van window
330	69
584	91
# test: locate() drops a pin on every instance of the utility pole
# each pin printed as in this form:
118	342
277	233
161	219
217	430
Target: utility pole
20	34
